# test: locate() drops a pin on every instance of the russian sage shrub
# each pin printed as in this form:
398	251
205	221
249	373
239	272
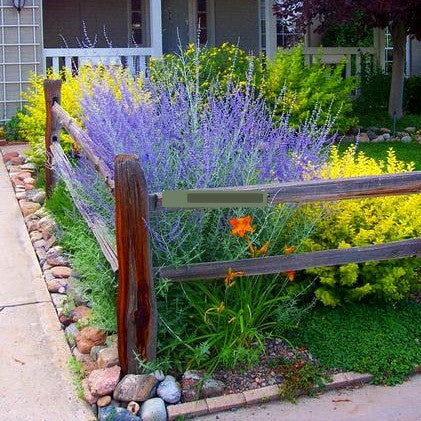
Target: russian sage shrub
186	141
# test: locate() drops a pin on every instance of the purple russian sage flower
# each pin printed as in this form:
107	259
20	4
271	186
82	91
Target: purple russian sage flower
184	141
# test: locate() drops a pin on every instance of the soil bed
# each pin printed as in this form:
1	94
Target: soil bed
266	371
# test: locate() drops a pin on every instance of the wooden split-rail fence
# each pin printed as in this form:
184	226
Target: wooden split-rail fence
132	261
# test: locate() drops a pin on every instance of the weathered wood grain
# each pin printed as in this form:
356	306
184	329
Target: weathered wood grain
328	190
136	303
52	95
83	140
291	262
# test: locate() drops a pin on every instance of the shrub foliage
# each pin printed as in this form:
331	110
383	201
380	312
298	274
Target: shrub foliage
363	222
299	88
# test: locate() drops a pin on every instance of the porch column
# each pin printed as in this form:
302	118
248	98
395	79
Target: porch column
270	19
379	47
156	27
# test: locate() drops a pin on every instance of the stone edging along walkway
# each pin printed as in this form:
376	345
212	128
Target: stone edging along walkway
257	396
103	371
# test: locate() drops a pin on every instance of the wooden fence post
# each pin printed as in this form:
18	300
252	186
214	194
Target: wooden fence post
136	303
52	94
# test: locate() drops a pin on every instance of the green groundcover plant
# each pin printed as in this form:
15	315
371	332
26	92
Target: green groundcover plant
380	339
97	283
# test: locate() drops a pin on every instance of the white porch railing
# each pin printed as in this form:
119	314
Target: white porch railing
72	58
334	55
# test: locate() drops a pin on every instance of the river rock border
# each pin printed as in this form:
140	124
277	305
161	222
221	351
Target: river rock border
134	397
383	134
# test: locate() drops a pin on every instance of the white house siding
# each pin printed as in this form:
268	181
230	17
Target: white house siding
175	25
64	19
20	52
238	21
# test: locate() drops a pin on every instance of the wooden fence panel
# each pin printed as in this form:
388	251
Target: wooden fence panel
136	305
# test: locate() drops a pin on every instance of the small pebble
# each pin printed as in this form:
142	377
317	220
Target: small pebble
104	401
133	407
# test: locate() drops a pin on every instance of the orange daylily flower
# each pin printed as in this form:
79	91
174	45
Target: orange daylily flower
255	252
289	249
241	226
231	275
290	274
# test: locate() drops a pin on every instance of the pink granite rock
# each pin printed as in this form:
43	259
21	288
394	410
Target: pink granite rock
61	271
88	338
29	208
103	381
89	397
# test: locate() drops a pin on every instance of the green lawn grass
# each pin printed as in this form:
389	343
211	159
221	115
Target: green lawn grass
408	152
383	340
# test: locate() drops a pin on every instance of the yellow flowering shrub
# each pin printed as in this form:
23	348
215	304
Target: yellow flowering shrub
351	223
224	64
300	88
32	120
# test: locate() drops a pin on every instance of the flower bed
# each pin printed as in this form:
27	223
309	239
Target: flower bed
95	362
96	357
187	137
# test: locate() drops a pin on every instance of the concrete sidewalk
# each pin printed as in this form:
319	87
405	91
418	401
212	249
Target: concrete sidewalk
369	403
35	383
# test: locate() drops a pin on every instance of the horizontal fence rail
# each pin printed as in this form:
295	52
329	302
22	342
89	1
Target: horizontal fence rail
285	263
136	303
83	140
328	190
107	248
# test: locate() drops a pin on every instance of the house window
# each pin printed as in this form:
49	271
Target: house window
137	30
286	36
388	50
202	20
263	26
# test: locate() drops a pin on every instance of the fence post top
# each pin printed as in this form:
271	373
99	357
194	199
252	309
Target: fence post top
126	157
52	83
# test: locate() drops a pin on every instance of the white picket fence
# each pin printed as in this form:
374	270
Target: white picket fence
334	55
134	59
